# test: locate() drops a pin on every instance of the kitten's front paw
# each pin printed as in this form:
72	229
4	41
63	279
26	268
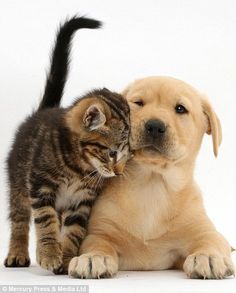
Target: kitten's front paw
50	258
203	266
89	266
52	263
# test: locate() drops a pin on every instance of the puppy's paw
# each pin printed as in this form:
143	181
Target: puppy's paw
203	266
17	260
89	266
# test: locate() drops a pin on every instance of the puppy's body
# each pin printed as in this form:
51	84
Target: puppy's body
151	233
153	218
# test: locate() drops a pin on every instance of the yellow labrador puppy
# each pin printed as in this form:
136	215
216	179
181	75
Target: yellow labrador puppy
153	218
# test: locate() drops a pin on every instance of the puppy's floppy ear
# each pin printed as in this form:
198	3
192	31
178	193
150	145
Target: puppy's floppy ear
213	125
94	117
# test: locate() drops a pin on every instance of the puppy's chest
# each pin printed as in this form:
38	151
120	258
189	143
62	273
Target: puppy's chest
150	209
71	193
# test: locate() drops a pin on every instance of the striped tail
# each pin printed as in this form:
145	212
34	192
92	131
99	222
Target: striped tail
57	75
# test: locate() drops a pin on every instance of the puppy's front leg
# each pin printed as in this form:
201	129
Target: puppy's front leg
98	259
210	257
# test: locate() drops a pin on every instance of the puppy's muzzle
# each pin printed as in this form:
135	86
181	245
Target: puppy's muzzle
155	130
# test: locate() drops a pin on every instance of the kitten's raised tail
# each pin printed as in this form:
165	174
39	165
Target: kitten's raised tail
57	75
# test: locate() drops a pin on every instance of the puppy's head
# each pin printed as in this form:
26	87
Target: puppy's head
169	119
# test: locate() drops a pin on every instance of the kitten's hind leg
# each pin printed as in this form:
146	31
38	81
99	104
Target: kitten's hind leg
20	211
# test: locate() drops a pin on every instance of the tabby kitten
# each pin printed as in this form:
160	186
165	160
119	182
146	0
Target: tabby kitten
59	161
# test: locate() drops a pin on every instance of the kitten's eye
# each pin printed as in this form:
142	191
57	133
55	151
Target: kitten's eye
112	154
139	103
180	109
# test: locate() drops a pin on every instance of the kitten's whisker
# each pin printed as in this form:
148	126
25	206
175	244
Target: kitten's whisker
88	181
94	183
88	175
91	180
99	181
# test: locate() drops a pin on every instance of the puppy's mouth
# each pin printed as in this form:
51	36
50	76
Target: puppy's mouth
154	149
157	152
151	149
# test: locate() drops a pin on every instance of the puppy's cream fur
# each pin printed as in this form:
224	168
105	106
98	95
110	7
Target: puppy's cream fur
153	218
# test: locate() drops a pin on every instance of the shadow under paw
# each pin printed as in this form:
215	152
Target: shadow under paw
60	271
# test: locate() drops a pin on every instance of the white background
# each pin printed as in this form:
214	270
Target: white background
191	40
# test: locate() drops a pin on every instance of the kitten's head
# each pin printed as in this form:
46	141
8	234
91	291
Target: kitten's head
101	121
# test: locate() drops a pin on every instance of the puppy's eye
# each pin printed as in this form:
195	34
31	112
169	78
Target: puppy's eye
180	109
139	103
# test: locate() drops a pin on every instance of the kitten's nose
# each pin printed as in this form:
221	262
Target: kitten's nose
119	168
155	128
118	174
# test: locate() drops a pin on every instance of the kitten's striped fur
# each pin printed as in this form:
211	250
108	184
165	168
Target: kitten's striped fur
59	161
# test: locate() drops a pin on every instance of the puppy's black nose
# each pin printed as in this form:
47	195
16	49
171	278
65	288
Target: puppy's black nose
155	127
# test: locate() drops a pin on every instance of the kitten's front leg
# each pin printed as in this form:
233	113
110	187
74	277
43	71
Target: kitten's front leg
74	230
49	252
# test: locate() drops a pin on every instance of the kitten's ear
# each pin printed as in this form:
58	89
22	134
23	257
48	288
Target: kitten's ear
213	125
94	117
